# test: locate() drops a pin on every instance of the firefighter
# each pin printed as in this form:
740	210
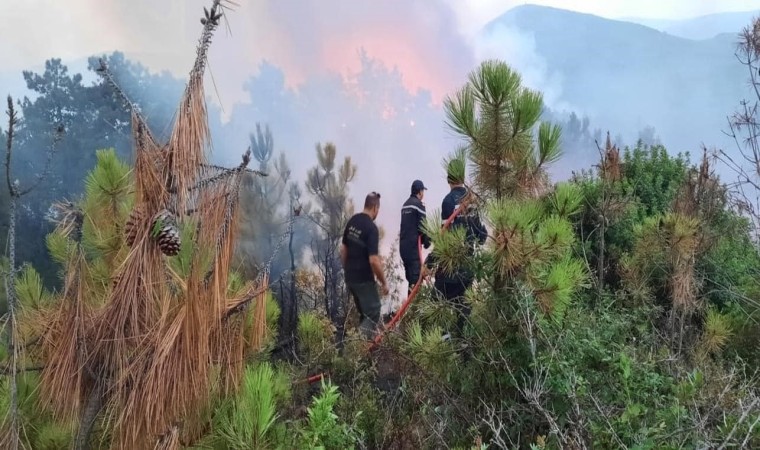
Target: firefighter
453	285
412	220
362	264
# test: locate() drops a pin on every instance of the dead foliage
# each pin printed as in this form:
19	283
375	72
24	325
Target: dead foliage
703	197
157	344
610	167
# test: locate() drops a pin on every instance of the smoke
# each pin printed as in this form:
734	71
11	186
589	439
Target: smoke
304	38
392	135
433	44
507	43
429	42
368	76
417	36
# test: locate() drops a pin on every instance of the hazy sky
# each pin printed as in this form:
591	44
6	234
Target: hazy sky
432	43
162	33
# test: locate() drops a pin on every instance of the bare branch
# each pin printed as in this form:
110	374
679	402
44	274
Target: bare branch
104	71
741	420
57	136
243	304
744	128
12	121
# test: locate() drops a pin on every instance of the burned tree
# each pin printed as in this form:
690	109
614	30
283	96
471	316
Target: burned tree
11	437
147	325
270	208
264	209
289	302
328	184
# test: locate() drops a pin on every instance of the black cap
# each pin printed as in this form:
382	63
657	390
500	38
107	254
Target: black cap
417	186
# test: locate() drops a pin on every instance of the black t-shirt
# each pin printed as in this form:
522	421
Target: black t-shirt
361	240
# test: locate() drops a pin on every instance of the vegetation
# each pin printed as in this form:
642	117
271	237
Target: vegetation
617	309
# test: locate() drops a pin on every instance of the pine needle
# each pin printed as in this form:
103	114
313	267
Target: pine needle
63	347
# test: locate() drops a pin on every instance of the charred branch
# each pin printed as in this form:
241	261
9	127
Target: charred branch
744	128
142	129
210	22
243	304
232	201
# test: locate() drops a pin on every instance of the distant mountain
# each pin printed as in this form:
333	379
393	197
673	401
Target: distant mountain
657	24
702	27
626	76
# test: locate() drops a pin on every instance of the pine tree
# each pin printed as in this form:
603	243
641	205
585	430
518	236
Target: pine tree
605	202
530	245
146	331
531	237
264	206
497	117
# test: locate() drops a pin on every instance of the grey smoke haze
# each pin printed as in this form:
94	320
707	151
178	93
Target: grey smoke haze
392	129
315	87
393	136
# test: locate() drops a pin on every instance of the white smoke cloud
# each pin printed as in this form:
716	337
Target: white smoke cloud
518	49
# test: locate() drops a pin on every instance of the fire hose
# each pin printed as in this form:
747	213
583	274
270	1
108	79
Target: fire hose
400	313
404	306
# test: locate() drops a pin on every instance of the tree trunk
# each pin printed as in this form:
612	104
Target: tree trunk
10	289
327	286
499	284
335	312
292	319
89	415
600	258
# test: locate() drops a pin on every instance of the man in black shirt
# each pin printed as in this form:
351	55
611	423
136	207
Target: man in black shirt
412	220
361	264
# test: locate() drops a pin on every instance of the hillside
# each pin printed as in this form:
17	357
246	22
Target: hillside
702	27
626	76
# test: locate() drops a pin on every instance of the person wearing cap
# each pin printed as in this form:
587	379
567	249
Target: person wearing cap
453	285
412	220
362	264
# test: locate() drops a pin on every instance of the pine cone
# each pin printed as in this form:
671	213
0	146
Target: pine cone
130	228
166	233
169	240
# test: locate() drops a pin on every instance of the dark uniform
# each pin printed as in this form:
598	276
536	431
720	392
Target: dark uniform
453	285
412	220
361	239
